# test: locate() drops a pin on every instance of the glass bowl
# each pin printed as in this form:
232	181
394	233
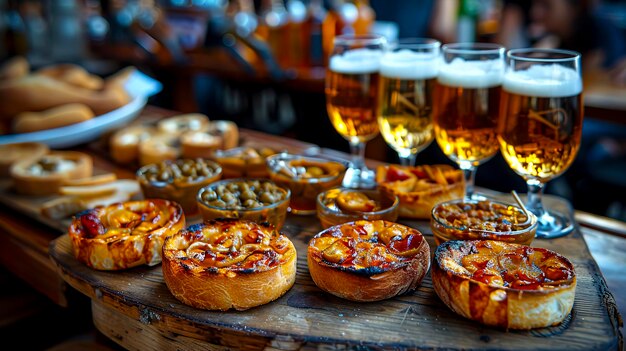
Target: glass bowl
178	180
342	205
306	177
243	161
482	220
258	200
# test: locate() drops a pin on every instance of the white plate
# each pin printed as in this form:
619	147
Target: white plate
79	133
139	86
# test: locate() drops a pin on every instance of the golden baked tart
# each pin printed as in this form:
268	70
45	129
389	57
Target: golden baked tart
183	123
420	188
124	235
503	284
46	174
124	143
228	263
368	260
12	153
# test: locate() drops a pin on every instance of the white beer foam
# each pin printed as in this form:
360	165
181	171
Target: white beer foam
544	81
471	74
407	64
359	61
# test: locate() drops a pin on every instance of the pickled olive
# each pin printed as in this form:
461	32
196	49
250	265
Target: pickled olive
185	170
244	194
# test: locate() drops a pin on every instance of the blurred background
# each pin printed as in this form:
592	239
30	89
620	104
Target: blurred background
261	63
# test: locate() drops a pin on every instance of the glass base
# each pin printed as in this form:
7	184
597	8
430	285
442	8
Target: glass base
554	224
359	179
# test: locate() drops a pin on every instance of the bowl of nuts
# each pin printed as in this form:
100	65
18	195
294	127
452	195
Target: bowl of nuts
178	180
306	177
258	200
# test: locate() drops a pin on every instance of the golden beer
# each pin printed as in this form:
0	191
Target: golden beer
351	96
540	126
466	115
405	108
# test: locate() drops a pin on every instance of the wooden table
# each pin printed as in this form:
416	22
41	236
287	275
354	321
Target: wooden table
120	310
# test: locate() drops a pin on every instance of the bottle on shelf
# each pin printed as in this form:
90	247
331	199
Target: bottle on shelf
365	18
339	20
467	19
314	51
297	37
272	28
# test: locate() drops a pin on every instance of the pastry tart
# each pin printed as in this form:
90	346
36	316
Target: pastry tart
195	144
124	143
45	175
159	148
420	188
124	235
183	123
228	263
12	153
368	260
503	284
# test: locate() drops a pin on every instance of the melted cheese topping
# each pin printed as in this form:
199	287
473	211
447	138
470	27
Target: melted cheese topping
512	266
233	245
373	246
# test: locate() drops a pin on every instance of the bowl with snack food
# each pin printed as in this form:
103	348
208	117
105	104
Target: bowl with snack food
306	177
259	200
178	180
342	205
482	220
243	161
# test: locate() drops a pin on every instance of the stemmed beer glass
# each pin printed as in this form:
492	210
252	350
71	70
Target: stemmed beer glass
351	97
540	124
467	102
408	72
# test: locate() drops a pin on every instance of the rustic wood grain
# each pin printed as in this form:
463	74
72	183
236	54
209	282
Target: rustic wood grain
308	316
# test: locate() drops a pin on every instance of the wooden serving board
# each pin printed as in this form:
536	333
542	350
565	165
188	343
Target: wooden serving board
136	309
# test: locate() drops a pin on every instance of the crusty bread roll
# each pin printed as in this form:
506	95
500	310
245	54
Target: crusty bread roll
72	74
15	68
37	93
45	175
60	116
228	263
504	285
368	260
124	235
19	152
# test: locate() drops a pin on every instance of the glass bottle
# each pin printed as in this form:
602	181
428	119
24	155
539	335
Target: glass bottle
366	17
316	14
272	28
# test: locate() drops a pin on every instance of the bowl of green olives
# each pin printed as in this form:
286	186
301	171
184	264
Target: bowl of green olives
178	180
259	200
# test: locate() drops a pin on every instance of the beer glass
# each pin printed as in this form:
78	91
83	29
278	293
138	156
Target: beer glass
467	102
541	124
351	90
408	72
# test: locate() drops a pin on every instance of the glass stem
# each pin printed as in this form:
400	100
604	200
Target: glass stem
357	150
407	159
534	204
469	170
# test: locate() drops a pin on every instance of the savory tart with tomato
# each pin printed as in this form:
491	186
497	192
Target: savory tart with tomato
124	235
420	188
503	284
368	260
228	263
